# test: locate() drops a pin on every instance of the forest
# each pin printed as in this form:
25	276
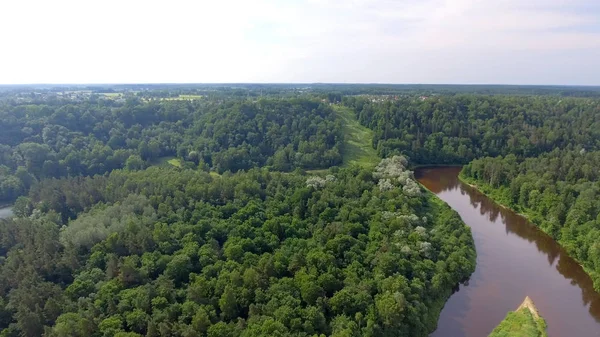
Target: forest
235	238
59	138
538	155
168	252
457	129
225	211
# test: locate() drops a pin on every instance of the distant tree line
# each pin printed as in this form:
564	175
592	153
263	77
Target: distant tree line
58	139
458	129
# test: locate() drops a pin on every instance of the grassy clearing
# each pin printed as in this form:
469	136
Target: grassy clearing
167	161
182	97
357	149
318	172
175	162
112	94
190	96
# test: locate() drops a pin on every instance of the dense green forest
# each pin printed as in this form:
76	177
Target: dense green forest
57	138
265	225
108	239
559	191
169	252
536	154
458	129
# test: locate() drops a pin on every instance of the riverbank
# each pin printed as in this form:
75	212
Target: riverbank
525	321
5	212
490	195
529	305
442	212
514	259
497	195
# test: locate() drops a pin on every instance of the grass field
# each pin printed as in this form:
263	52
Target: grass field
357	149
170	161
112	94
183	97
175	162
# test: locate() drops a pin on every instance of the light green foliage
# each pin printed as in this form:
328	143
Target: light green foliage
134	162
92	228
520	323
110	326
390	307
175	162
22	207
71	325
357	148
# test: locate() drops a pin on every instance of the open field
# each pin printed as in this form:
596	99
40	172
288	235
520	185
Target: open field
112	94
183	97
164	161
357	149
175	162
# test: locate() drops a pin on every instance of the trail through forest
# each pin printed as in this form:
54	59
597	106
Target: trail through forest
357	149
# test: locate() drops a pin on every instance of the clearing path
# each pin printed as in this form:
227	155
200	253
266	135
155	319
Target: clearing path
357	149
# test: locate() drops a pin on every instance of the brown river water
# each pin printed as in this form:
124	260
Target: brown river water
514	260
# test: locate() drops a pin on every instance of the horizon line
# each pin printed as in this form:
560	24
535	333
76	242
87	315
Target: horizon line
293	83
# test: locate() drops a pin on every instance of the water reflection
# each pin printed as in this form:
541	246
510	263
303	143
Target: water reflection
514	259
5	212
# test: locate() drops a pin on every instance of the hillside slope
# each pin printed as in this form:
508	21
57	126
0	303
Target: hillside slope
357	148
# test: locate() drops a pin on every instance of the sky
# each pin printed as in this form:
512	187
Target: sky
301	41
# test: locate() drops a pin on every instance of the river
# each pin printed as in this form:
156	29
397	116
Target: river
5	212
514	260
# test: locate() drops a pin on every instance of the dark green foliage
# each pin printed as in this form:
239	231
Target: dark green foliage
174	252
110	243
54	139
458	129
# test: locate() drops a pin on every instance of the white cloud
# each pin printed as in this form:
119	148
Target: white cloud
406	41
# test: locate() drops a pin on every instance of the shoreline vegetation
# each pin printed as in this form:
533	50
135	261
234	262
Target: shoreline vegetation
465	181
528	304
525	321
425	166
494	195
